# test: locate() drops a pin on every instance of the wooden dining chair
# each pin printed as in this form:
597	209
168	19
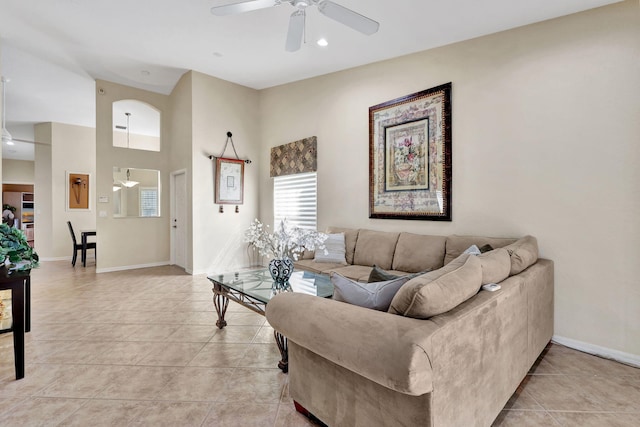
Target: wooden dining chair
78	246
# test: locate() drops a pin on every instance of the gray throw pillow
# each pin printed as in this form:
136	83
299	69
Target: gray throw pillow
379	275
377	296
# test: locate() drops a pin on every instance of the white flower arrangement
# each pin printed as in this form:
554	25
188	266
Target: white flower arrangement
286	241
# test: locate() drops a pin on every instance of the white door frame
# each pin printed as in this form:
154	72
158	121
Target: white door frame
172	192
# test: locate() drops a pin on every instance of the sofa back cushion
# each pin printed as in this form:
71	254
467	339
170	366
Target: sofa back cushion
350	238
375	248
456	245
416	252
439	291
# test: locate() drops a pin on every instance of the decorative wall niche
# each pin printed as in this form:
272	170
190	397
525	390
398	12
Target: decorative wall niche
136	125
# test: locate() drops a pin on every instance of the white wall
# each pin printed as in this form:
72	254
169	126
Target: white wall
18	171
545	142
219	107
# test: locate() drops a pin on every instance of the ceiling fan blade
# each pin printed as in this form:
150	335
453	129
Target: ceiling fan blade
29	142
296	30
348	17
243	6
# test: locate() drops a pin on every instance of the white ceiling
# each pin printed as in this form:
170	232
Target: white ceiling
53	50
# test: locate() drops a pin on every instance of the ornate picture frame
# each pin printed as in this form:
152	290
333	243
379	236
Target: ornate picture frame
229	181
410	156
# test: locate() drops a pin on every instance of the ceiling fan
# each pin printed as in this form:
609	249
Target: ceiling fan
297	21
6	136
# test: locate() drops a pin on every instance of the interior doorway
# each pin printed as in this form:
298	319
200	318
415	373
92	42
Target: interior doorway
178	190
18	209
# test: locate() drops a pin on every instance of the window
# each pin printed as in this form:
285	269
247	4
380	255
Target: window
295	198
149	202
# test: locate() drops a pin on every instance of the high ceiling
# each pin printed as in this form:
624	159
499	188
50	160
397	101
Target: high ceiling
53	50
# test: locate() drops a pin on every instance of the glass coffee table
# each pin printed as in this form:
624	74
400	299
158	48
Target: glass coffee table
254	288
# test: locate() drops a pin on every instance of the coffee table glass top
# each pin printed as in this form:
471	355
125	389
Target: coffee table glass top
259	285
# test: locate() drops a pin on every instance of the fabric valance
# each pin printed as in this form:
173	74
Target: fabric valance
296	157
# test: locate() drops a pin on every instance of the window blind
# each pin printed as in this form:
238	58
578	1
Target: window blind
295	198
148	202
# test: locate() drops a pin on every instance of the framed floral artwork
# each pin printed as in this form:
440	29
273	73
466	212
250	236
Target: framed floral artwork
410	156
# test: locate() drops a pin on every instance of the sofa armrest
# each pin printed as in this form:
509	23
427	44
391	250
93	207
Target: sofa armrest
390	350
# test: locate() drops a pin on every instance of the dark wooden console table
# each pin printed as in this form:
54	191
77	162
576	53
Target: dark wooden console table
19	283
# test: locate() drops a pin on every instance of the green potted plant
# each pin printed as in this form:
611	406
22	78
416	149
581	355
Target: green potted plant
15	251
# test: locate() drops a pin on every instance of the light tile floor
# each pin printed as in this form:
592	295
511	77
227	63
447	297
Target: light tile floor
140	348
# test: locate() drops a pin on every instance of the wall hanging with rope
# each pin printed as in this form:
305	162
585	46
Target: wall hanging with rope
229	177
78	190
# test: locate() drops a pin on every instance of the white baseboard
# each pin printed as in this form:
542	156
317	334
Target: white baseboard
607	353
132	267
62	258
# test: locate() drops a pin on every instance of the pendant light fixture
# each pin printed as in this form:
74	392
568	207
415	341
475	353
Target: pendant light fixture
128	183
6	136
128	127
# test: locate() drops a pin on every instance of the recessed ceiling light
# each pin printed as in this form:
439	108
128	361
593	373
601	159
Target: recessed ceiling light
217	54
322	42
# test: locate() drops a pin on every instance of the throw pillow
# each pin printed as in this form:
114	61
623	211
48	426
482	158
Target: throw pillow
379	275
524	252
439	291
486	248
496	266
377	296
334	251
473	250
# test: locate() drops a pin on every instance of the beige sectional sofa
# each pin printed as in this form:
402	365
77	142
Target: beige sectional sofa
354	366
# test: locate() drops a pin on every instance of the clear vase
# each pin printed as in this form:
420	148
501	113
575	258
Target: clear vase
281	270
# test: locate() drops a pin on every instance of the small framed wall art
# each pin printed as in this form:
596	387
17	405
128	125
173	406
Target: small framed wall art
410	156
78	191
229	181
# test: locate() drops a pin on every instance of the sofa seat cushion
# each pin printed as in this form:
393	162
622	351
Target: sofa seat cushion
376	296
523	252
416	252
456	245
496	265
439	291
316	267
354	272
350	239
375	248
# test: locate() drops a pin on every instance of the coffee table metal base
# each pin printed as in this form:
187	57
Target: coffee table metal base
221	297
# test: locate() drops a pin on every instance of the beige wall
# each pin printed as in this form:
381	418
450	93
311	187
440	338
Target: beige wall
196	118
545	142
42	193
72	149
142	142
128	242
18	171
218	107
181	134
